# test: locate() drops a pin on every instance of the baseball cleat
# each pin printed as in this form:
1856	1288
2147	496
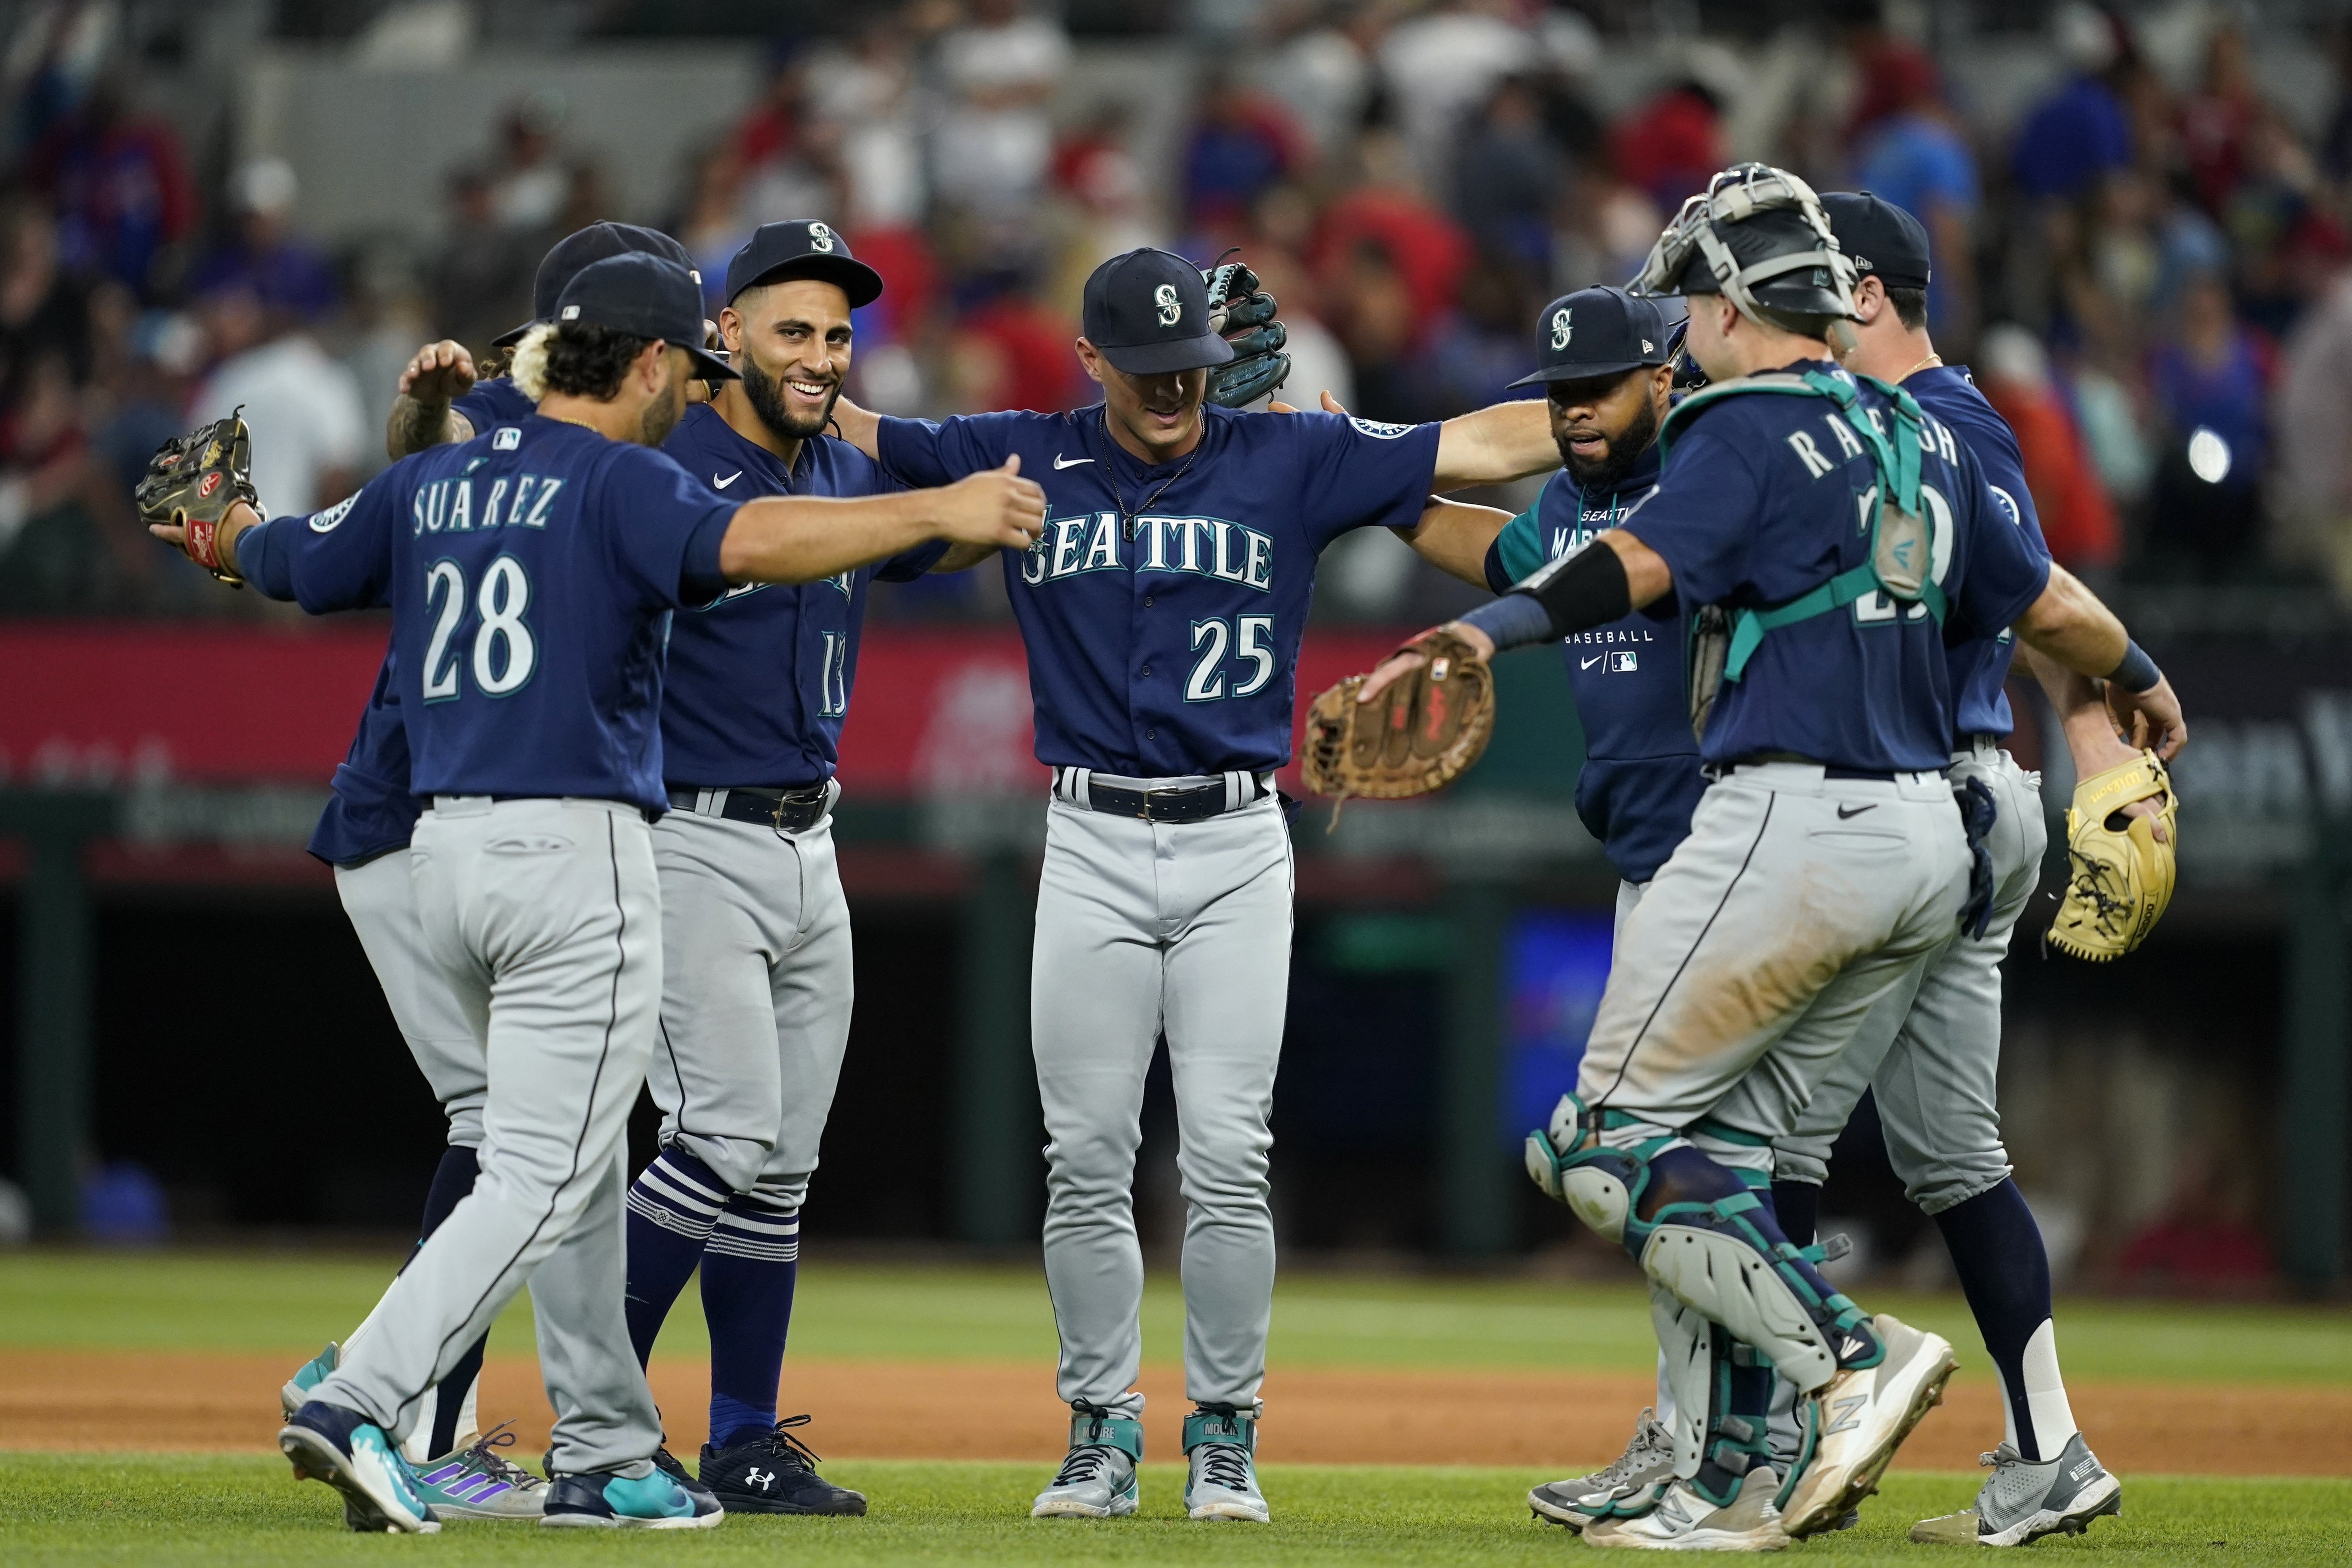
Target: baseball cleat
480	1482
1859	1419
295	1392
774	1472
599	1500
1097	1480
1684	1521
1650	1457
352	1455
2021	1502
1223	1482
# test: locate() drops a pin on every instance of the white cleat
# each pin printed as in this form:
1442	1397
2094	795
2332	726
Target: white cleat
1861	1416
1683	1520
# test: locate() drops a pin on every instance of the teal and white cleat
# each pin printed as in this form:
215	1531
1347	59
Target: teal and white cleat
2021	1502
480	1482
295	1392
1684	1520
1221	1443
599	1500
351	1454
1097	1480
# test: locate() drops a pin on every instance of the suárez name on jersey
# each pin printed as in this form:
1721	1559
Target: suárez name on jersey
447	506
1205	546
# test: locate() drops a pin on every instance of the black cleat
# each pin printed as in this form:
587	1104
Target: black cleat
774	1472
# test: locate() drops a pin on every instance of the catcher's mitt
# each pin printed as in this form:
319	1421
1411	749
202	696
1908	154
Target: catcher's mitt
1425	729
191	483
1243	313
2119	877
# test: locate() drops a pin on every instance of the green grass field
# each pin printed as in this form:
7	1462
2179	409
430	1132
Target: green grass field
172	1509
289	1303
236	1508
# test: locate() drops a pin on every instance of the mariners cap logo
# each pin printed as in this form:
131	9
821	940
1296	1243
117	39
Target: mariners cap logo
820	237
1172	309
1559	330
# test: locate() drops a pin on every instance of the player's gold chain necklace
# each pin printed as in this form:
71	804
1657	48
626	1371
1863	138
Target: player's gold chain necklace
1931	359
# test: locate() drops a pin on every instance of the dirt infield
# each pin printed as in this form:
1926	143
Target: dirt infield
76	1399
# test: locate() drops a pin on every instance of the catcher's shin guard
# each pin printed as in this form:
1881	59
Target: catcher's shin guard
1700	1231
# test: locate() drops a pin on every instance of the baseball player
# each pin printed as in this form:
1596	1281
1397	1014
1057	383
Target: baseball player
1162	607
370	815
1934	1062
1825	860
758	982
532	571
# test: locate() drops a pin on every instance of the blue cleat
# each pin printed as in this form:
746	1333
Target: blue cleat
601	1500
351	1454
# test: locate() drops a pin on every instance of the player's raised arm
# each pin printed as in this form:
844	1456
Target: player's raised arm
434	376
1495	446
2070	624
1455	537
862	428
805	539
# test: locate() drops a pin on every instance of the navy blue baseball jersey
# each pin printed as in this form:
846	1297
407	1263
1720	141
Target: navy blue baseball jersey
758	682
1765	498
1640	780
496	401
531	572
1169	645
1979	661
370	811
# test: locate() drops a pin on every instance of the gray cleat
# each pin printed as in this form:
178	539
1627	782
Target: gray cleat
1221	1443
1097	1481
1649	1458
480	1482
2021	1502
1686	1519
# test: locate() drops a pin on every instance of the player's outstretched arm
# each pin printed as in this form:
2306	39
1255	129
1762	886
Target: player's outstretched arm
805	539
1493	445
2070	624
858	427
1455	537
1612	576
421	416
2092	739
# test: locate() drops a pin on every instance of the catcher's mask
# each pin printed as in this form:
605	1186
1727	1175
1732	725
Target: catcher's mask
1759	236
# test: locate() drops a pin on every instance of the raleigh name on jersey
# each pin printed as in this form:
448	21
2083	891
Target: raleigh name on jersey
1979	661
531	572
759	682
1640	780
1767	496
1170	647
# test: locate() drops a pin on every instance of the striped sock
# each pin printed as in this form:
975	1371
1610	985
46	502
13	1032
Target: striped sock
672	1206
747	1273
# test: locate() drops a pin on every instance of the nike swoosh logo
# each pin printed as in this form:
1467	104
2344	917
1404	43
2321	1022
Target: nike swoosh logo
1588	663
1060	462
718	483
1846	816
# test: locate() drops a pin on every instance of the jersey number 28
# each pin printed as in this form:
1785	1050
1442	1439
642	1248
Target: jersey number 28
504	651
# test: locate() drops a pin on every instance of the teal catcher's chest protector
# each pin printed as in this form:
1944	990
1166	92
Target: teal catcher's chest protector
1901	563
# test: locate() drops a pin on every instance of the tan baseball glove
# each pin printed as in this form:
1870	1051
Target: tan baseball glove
1422	732
191	483
2119	874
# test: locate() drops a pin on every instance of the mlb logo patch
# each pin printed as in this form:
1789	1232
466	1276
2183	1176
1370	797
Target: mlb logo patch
1623	663
507	438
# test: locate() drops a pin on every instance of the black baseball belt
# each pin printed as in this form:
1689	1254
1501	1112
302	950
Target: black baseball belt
787	810
1165	800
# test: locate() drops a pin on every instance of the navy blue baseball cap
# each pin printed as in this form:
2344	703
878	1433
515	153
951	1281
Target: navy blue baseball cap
1600	330
1882	240
582	248
1148	312
802	247
646	297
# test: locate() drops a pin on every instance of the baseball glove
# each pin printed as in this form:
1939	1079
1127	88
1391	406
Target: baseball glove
1425	729
2119	877
1243	313
191	483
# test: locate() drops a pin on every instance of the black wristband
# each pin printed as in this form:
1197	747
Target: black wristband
2138	672
1582	590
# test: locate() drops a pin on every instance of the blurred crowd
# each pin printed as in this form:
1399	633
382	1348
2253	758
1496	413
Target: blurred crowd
2148	265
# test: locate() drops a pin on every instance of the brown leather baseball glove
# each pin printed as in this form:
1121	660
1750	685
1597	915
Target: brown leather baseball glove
191	483
1427	727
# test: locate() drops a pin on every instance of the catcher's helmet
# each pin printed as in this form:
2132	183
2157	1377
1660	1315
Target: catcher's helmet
1757	235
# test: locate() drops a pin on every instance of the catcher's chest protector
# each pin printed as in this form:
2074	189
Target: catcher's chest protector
1902	531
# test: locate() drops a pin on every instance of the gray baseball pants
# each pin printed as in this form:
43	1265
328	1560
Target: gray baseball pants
1797	902
544	917
1146	930
1932	1049
382	906
756	995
